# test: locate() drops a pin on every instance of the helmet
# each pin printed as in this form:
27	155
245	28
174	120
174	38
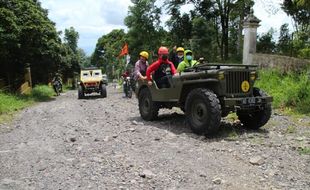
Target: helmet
144	54
180	49
163	50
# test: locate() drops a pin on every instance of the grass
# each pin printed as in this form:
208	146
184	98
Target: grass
291	129
290	91
304	151
10	103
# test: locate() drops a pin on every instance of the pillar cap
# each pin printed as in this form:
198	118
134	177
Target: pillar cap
251	19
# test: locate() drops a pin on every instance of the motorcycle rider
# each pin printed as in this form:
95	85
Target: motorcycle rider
124	76
57	81
160	68
188	61
141	66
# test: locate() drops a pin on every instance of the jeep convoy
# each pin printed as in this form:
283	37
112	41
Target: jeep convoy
92	80
206	93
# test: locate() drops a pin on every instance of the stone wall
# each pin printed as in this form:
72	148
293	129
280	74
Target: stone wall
284	63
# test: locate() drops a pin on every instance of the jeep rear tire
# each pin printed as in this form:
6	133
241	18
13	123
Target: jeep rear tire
203	111
148	108
80	92
256	119
103	91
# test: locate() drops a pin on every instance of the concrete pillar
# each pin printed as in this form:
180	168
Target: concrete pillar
251	23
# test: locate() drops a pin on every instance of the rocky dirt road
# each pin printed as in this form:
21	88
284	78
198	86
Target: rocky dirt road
104	144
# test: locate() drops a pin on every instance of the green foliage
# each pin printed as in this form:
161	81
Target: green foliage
291	129
200	28
304	150
10	102
28	38
42	93
71	38
107	50
288	90
304	53
284	43
180	25
299	11
143	22
265	43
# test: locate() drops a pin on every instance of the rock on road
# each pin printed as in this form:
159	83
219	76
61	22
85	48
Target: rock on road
98	143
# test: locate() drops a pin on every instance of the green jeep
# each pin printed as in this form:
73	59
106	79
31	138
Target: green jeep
206	93
92	80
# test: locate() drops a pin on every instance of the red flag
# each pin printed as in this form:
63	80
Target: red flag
124	50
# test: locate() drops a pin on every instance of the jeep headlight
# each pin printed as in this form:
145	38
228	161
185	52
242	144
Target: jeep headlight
221	75
253	75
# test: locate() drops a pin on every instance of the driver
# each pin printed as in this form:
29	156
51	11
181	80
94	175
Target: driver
160	69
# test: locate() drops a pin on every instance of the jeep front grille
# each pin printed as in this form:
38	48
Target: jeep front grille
234	80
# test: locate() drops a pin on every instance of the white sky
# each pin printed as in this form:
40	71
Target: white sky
94	18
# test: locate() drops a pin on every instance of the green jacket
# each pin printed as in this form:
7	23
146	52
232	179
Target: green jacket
185	63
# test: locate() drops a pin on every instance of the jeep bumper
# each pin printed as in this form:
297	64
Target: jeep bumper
247	102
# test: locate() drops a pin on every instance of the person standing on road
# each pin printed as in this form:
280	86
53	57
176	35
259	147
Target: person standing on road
188	61
141	66
160	68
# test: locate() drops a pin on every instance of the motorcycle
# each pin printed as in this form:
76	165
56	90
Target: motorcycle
127	87
57	87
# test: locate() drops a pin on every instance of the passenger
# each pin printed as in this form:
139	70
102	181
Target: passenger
160	68
177	56
188	61
141	66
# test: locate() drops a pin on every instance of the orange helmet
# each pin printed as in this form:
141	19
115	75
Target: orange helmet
163	50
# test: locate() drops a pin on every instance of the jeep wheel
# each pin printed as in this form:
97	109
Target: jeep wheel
148	109
256	119
80	92
203	111
103	91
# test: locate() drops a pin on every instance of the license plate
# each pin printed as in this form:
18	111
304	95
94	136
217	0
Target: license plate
251	100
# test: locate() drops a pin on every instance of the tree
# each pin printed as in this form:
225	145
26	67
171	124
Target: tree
224	16
29	39
284	42
265	43
300	12
203	45
107	50
71	38
143	22
180	26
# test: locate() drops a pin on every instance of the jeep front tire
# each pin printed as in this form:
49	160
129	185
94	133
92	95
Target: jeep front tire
80	92
203	111
258	118
103	91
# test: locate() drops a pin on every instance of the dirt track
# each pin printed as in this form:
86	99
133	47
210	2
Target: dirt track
104	144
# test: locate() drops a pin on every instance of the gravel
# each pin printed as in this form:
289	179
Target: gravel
98	143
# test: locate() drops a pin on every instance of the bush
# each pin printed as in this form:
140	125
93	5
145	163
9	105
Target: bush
288	90
42	93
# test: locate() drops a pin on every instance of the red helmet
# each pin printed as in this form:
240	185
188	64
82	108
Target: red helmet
163	50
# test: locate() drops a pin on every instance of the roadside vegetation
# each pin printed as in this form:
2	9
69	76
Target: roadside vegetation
290	91
10	103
